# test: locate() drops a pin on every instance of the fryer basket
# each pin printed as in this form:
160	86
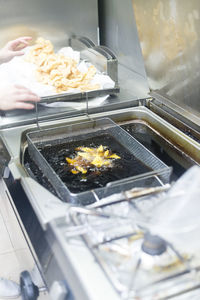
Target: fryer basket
81	131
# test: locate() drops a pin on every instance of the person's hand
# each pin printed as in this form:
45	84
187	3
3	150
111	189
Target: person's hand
16	96
14	48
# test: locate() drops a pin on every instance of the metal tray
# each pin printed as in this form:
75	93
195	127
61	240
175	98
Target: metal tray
79	96
102	58
80	132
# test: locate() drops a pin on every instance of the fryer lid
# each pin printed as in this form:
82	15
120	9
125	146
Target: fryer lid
79	132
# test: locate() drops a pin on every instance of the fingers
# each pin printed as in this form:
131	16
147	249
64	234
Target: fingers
27	97
13	45
23	97
25	38
20	87
24	94
22	105
18	53
17	97
19	43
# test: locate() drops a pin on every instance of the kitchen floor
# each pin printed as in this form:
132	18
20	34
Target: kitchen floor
15	255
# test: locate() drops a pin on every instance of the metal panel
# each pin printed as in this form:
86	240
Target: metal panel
170	41
118	32
51	19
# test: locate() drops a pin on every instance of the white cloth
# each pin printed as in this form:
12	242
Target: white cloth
9	289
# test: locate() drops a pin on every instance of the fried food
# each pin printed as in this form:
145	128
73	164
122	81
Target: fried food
91	157
58	70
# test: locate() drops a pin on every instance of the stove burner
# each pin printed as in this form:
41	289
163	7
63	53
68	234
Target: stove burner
153	245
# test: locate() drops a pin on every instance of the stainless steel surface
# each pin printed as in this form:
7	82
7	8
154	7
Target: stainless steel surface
4	157
55	20
118	32
73	260
12	136
49	206
175	110
103	58
175	136
175	115
15	142
127	195
7	198
58	291
170	42
79	261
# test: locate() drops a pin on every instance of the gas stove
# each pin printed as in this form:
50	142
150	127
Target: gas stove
138	263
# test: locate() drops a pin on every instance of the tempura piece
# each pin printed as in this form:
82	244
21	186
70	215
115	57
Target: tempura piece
91	157
58	70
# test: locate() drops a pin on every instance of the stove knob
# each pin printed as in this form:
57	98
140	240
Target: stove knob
29	291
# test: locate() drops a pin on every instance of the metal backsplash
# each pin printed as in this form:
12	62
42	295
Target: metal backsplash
118	31
51	19
170	41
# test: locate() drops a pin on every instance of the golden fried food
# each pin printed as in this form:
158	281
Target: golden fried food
91	157
58	70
